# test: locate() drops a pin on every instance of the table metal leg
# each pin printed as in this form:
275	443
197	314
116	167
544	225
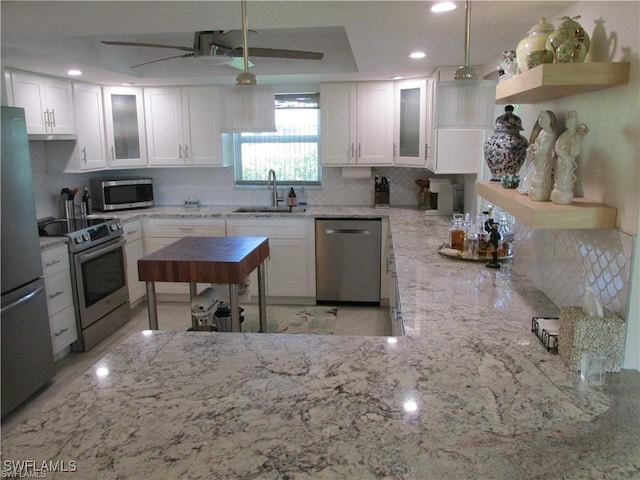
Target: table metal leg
235	307
193	291
262	303
152	306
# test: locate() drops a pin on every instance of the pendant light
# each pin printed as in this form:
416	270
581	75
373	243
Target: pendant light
465	102
247	106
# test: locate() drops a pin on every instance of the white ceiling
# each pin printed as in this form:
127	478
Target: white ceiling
361	40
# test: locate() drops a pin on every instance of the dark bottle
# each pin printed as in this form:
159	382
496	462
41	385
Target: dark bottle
86	201
292	201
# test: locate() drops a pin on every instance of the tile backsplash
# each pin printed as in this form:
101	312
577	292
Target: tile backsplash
215	186
564	263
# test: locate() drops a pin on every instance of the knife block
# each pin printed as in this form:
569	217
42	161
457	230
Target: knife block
381	200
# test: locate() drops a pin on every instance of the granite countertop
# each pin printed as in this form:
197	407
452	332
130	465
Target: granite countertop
468	393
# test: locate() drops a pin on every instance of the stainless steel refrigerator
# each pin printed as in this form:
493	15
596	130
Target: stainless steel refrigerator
27	355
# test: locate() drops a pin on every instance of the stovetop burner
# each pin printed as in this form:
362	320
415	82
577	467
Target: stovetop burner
85	232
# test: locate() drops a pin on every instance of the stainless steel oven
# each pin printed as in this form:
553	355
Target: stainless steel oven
99	277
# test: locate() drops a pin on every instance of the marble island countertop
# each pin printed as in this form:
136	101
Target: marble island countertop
468	393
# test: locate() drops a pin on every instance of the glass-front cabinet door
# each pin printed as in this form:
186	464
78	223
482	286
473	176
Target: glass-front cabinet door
124	124
409	147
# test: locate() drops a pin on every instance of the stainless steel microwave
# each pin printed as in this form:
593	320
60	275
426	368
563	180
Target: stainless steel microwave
121	194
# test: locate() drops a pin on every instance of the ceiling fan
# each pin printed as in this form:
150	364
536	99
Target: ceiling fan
219	47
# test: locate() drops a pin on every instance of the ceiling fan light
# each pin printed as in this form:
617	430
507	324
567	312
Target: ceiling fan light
248	108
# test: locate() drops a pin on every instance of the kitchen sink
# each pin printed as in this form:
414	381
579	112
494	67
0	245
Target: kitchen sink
265	209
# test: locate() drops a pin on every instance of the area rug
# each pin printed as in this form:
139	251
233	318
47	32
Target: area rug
292	319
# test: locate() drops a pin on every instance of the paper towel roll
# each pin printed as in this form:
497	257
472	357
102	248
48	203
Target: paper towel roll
204	300
356	173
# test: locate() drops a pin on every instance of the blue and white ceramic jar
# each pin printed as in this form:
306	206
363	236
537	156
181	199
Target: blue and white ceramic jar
505	150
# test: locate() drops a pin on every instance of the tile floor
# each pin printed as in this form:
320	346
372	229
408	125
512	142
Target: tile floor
350	320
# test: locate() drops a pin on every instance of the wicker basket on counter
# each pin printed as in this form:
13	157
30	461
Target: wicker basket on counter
581	334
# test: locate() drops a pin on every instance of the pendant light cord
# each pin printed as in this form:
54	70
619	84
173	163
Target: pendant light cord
467	36
245	48
466	72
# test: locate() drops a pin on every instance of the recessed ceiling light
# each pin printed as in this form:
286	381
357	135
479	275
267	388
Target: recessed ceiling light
418	55
74	73
443	7
128	84
396	77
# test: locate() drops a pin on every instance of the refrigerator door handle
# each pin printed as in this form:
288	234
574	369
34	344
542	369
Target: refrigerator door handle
22	300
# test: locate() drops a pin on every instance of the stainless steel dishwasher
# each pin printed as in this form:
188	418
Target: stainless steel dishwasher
348	261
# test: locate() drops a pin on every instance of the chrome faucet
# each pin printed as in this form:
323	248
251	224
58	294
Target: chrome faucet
272	183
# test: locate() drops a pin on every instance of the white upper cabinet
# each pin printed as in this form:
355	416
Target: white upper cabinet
457	151
412	116
89	151
91	148
201	124
124	125
357	123
48	103
183	126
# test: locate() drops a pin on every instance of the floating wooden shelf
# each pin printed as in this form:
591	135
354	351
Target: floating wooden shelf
582	213
555	80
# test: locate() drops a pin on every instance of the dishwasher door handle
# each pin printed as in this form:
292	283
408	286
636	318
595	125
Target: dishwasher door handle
351	231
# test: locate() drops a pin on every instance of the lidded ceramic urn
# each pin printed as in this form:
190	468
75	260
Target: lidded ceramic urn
505	150
532	50
570	42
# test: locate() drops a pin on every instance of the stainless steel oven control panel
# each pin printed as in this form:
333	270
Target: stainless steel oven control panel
89	237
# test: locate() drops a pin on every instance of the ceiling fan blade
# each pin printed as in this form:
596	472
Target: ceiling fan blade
152	45
230	38
163	59
280	53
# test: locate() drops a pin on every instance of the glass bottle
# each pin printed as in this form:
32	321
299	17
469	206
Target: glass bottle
470	249
482	234
86	202
506	232
456	233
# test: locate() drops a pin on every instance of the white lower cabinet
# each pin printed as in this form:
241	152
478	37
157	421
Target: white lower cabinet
57	283
134	251
290	269
159	233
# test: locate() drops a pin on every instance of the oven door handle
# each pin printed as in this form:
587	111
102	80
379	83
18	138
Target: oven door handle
101	250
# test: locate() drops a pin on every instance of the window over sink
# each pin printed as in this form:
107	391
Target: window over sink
292	151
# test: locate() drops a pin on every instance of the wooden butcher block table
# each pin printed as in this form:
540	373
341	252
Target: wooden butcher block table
207	260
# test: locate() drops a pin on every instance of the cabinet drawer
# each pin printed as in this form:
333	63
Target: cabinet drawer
59	292
55	260
272	228
132	231
186	228
63	329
